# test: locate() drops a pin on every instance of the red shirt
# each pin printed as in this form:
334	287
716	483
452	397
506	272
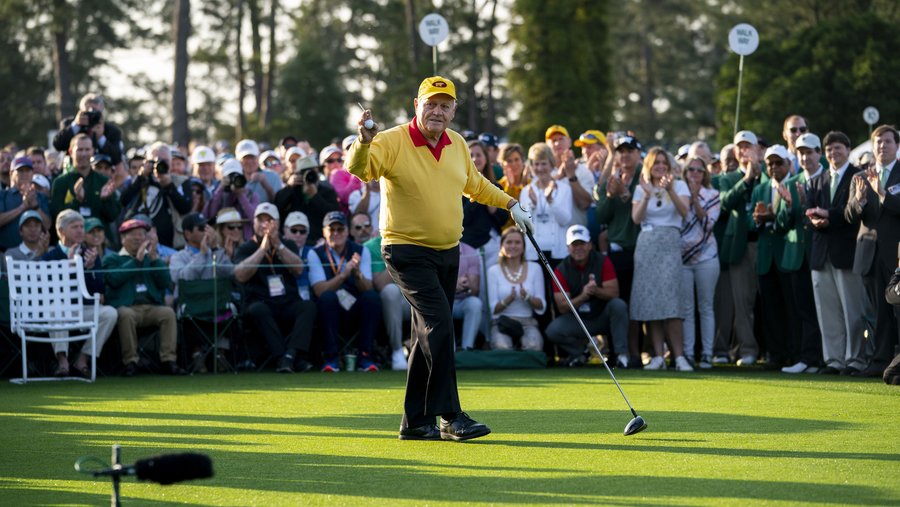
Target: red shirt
608	273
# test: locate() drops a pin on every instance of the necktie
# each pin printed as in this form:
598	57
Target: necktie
834	175
884	177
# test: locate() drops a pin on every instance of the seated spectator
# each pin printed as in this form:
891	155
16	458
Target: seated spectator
156	194
304	192
515	290
267	267
394	307
261	182
230	227
467	304
233	193
344	183
20	197
296	229
70	230
340	272
136	282
598	304
35	240
94	237
360	228
199	197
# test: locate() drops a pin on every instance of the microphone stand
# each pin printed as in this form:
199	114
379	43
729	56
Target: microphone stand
115	500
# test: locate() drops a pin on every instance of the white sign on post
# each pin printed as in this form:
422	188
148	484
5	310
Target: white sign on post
433	29
743	39
870	115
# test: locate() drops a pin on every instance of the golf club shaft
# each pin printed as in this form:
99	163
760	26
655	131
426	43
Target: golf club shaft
587	333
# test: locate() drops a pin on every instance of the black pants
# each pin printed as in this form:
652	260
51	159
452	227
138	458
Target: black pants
427	279
809	342
777	312
294	313
886	324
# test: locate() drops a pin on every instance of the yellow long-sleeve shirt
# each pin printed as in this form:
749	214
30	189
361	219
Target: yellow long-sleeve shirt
421	186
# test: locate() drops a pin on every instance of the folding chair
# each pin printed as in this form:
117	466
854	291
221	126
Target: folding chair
45	306
204	303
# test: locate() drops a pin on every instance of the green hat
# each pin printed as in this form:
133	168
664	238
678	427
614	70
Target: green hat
92	223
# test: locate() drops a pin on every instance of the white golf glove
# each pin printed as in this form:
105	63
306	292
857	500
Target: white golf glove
522	218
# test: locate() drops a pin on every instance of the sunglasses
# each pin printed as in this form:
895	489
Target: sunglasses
800	130
233	227
298	230
337	230
334	161
358	227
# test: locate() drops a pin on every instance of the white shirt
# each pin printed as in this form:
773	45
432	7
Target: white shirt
550	219
499	288
661	211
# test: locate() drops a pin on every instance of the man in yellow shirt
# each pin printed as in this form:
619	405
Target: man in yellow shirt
423	168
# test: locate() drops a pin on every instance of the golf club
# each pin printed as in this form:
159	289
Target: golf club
635	425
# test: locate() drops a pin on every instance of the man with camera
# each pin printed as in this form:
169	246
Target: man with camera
304	192
232	193
83	189
155	194
106	137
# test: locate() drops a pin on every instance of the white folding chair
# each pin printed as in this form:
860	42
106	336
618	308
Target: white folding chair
46	305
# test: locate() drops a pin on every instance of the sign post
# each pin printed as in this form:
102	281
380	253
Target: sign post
743	40
433	29
870	115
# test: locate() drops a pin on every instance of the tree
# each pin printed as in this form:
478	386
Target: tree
182	30
562	71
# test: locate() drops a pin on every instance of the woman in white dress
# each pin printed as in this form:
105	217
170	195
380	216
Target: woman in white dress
516	291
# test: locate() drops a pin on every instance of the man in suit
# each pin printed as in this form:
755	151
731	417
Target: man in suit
774	282
807	342
875	198
738	247
838	291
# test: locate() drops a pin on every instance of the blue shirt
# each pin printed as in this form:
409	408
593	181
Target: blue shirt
11	199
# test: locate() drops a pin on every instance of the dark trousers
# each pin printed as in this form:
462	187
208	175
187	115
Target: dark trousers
364	315
809	341
777	314
427	279
886	323
296	313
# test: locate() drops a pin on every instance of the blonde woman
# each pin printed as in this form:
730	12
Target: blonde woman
516	291
659	205
550	202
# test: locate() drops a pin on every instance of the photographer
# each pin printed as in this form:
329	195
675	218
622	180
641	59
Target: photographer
304	192
153	193
260	181
106	137
232	193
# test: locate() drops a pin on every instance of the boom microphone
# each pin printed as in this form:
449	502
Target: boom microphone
166	468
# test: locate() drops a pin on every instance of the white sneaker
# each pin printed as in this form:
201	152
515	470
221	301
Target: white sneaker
800	367
747	361
705	363
657	363
622	362
682	364
721	360
398	360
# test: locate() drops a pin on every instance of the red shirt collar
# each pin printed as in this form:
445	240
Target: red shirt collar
418	139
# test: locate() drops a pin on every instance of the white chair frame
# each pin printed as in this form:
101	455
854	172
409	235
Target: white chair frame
46	305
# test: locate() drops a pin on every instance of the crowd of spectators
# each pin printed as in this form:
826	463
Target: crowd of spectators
759	254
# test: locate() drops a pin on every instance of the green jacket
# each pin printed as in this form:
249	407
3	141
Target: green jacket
797	231
62	196
616	214
123	273
735	197
770	245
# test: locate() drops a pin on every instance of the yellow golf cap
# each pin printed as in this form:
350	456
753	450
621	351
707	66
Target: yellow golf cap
436	85
556	129
590	137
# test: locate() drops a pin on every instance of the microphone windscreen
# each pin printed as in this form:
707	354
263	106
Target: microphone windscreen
172	468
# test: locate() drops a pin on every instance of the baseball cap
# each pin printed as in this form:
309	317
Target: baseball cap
334	217
203	154
327	152
348	141
296	218
41	181
296	150
555	129
577	233
436	85
288	141
231	166
489	139
28	215
246	147
228	216
92	223
21	162
135	154
179	154
98	158
267	208
193	220
778	151
590	137
745	136
627	141
809	140
132	224
682	152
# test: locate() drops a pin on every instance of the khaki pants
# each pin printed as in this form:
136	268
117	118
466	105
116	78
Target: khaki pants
744	282
133	317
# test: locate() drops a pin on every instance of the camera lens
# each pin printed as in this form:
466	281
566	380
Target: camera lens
237	180
311	177
161	167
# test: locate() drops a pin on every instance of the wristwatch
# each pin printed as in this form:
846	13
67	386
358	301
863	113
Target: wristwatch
573	178
281	247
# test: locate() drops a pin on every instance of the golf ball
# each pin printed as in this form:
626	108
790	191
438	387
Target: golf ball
369	124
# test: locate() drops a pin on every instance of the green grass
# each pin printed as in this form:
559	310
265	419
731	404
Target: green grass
724	438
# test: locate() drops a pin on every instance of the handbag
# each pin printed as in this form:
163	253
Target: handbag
511	327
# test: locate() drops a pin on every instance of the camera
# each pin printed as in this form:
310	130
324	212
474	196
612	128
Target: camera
93	117
310	175
161	167
235	180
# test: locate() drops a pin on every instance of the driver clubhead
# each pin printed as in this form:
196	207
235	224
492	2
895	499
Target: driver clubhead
636	425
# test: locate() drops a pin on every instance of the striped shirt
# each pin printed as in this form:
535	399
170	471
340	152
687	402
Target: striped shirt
697	241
